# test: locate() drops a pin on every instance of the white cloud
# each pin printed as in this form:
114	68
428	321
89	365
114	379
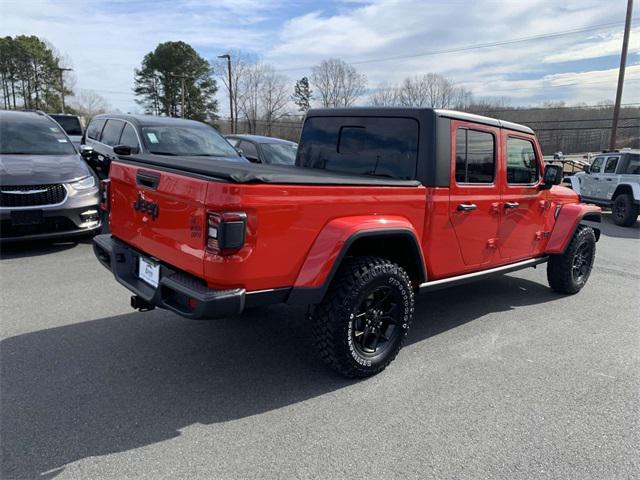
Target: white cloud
106	40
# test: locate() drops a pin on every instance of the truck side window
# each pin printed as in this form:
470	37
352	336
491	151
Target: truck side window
475	156
522	165
377	146
610	166
634	165
596	165
95	129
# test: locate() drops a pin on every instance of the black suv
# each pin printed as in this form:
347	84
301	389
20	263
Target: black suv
108	136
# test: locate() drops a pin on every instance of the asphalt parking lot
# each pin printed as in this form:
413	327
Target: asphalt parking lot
500	379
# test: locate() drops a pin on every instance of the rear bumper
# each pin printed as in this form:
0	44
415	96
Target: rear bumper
177	291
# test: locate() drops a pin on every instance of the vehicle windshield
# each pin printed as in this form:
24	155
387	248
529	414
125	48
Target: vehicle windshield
33	137
69	123
180	140
280	153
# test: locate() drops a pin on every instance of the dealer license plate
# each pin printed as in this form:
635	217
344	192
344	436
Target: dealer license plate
149	271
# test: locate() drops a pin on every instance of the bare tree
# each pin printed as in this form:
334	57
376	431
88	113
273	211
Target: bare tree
241	63
88	104
431	90
273	96
338	83
384	96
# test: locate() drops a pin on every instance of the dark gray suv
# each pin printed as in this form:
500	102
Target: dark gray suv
46	189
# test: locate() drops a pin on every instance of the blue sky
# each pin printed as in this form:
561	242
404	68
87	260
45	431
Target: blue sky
105	40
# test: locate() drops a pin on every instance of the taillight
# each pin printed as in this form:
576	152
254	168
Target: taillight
226	232
104	193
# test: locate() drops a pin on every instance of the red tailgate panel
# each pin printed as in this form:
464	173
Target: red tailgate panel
176	234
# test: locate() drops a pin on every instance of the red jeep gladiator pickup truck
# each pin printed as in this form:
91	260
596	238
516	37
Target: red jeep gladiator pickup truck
381	204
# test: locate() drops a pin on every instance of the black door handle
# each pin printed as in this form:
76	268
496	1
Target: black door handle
466	207
511	204
147	179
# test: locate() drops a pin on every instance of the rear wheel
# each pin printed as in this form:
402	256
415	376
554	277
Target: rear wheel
625	212
569	272
360	326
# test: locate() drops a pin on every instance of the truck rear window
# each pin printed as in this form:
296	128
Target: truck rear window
386	147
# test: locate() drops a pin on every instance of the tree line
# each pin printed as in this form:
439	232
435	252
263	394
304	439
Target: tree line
30	74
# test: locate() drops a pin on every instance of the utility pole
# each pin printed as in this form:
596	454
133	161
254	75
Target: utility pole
228	57
623	63
60	70
182	77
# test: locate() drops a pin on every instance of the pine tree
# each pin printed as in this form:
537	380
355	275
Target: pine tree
302	95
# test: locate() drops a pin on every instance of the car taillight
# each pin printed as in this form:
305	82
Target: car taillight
226	232
104	192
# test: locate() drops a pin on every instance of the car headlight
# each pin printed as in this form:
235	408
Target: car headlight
84	184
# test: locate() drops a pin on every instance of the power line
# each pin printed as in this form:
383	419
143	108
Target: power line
477	46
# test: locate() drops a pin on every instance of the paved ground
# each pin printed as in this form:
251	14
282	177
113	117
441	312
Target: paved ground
502	379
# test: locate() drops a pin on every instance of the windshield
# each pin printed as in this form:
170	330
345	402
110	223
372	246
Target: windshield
280	153
35	137
179	140
69	123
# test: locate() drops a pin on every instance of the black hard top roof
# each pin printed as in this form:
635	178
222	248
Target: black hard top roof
416	113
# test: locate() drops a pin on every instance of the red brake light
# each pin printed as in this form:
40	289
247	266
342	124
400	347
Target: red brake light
105	203
226	231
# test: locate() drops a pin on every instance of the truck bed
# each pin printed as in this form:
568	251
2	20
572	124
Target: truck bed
240	172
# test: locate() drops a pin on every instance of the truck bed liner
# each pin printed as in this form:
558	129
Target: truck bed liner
236	172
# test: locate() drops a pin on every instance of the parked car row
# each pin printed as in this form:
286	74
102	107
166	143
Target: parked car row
50	169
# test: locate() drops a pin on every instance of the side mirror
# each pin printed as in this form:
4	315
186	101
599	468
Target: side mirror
239	150
86	151
122	150
587	168
552	176
252	159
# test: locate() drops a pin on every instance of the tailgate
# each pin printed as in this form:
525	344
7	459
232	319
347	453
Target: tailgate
160	213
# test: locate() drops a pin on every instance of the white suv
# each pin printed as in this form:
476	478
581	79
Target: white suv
612	180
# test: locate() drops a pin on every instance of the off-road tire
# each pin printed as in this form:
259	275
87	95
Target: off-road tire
561	269
334	323
625	211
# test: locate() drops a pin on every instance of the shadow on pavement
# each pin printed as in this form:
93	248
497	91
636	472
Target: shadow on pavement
119	383
34	248
610	229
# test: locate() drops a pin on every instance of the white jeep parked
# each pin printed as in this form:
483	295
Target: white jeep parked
612	180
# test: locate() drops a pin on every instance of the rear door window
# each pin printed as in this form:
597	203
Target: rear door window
111	132
376	146
633	167
95	129
610	166
475	156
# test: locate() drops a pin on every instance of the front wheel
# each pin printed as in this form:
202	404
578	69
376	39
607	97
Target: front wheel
361	324
569	272
625	212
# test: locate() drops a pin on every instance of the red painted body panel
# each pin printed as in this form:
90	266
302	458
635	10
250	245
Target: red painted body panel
295	233
285	221
168	237
328	245
566	223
